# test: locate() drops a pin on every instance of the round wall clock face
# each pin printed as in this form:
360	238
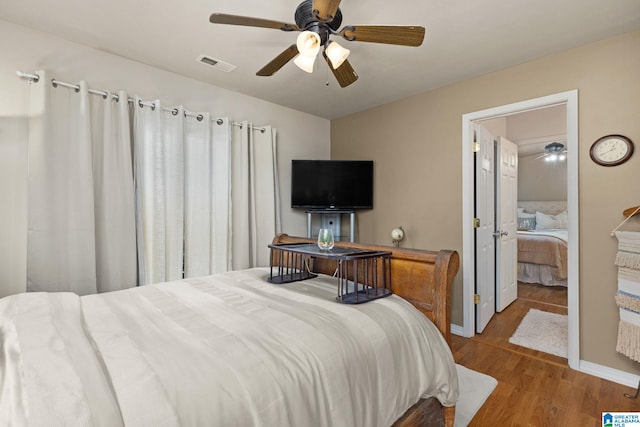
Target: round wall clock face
611	150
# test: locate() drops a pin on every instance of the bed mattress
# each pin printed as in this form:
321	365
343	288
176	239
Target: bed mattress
218	350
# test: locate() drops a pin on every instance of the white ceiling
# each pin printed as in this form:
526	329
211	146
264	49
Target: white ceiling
464	38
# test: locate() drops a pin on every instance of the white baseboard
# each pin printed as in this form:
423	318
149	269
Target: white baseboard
600	371
457	330
611	374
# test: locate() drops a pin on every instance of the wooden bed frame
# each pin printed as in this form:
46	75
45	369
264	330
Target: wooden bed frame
424	279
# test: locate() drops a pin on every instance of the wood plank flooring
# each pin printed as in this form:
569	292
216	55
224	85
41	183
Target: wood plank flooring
535	388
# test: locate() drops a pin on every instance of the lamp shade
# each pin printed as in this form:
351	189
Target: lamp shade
305	63
308	43
336	54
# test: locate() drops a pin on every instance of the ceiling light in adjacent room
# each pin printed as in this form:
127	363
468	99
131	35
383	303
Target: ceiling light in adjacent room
554	152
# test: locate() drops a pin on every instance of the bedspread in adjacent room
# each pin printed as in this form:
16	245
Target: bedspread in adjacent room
542	257
229	349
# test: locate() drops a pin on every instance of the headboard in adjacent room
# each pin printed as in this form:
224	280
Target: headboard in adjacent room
545	206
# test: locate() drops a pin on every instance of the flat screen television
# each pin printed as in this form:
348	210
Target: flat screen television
332	184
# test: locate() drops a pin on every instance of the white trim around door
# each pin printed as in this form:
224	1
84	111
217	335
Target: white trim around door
570	99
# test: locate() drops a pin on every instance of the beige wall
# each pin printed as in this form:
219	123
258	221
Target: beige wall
416	146
300	135
540	180
537	179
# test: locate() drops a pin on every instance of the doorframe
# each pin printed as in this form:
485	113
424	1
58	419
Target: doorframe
570	99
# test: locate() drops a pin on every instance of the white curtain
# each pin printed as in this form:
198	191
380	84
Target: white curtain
182	175
70	203
159	180
255	192
207	195
113	194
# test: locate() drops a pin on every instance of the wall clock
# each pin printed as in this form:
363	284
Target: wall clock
611	150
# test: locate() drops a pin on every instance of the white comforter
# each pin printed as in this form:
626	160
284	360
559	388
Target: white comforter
222	350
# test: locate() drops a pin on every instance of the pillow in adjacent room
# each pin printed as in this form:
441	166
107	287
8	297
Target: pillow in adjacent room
527	223
551	222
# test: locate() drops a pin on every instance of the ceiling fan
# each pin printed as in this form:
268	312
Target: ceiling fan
318	20
554	152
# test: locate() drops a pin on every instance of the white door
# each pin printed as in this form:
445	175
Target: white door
484	240
507	223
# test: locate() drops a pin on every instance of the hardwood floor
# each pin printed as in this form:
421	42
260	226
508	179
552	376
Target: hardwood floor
535	388
503	325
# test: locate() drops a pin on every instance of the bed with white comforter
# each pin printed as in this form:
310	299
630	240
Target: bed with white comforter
229	349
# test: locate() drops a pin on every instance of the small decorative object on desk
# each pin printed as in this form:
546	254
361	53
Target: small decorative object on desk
325	239
397	234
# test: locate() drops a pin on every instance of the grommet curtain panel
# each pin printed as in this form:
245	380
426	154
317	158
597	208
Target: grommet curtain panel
182	175
159	180
255	192
124	192
207	196
81	219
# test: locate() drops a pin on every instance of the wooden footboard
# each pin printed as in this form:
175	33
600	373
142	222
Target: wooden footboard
423	278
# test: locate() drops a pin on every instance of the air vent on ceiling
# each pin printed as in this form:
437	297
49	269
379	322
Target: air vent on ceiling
218	64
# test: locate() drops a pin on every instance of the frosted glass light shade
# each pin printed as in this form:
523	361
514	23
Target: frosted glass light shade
336	54
308	43
305	63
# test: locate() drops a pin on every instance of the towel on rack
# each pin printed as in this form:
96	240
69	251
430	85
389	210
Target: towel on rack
628	295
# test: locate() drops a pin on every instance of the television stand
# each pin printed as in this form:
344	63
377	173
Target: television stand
331	219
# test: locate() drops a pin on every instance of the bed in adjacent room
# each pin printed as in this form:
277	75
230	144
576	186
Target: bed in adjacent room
542	243
235	349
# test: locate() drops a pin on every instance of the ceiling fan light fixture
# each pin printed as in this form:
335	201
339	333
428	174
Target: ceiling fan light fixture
308	43
336	54
305	63
555	152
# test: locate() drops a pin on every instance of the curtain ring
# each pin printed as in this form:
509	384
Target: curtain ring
199	117
153	107
174	111
263	130
140	103
53	83
219	122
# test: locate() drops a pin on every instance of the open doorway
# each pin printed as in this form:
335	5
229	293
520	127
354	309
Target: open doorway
569	101
531	294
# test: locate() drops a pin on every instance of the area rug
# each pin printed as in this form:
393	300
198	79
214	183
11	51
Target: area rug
475	388
543	331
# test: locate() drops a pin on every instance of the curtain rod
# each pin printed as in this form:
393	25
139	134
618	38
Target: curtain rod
34	78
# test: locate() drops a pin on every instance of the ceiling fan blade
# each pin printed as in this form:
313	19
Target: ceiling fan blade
541	156
326	9
344	74
278	62
401	35
221	18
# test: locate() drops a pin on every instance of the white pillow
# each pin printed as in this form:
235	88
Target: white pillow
526	215
562	219
549	222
